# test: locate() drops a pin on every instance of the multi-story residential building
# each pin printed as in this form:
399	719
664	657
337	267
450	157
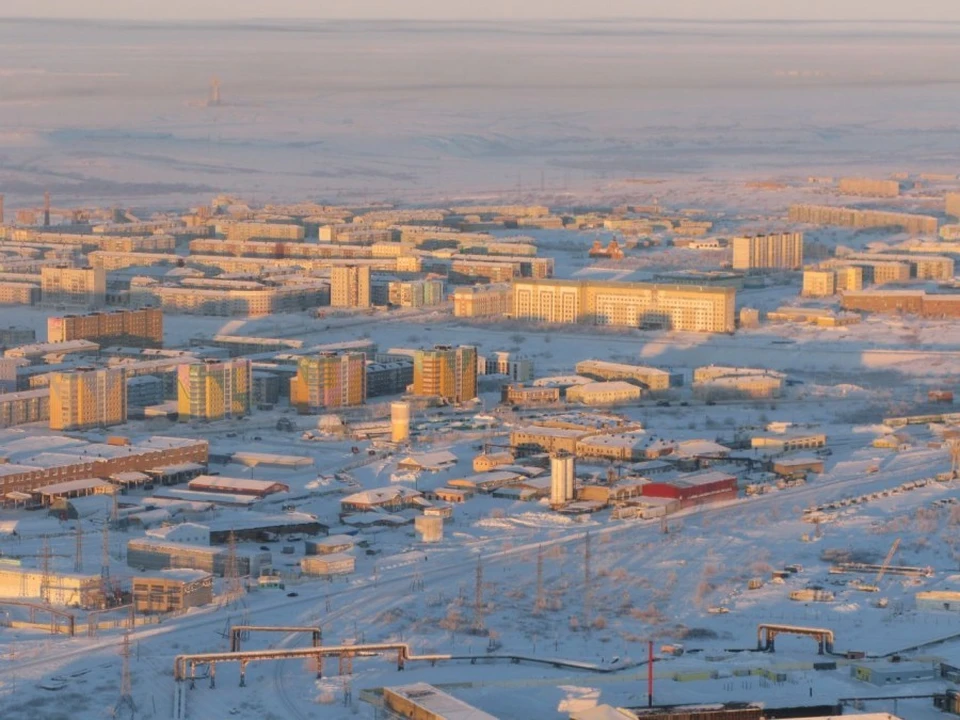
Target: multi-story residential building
130	328
495	300
329	380
88	398
85	287
251	299
922	267
869	186
242	231
849	278
13	335
213	390
848	217
952	203
644	305
446	372
819	283
19	408
653	379
516	367
608	392
19	293
350	286
777	251
391	377
415	293
144	391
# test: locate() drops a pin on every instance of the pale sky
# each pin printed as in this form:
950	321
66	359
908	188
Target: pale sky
486	9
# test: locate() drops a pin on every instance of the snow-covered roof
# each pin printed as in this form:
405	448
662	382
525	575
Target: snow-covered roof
437	459
700	447
219	482
631	439
702	478
379	496
259	458
74	486
438	702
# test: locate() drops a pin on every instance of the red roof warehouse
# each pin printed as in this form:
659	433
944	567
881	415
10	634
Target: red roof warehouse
695	489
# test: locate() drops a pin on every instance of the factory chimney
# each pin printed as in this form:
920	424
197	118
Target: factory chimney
46	209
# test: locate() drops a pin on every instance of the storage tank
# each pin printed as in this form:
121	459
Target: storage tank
399	422
561	478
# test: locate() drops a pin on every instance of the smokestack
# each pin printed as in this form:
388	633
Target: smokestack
1	208
46	209
650	673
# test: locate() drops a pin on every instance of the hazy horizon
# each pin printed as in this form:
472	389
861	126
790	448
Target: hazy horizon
493	10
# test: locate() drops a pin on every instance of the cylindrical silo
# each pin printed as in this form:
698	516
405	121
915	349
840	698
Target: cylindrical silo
558	481
400	422
570	473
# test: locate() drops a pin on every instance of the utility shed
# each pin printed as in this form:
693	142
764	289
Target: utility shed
421	701
894	673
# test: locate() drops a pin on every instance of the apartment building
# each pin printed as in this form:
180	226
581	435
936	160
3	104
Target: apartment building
643	305
952	204
85	287
329	380
19	293
446	372
236	299
19	408
494	300
516	367
777	251
653	379
242	231
869	187
849	217
214	390
88	398
415	293
130	328
350	286
819	283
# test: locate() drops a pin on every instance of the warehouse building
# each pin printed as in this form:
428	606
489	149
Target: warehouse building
421	701
238	486
58	588
895	673
329	545
391	499
784	442
155	554
172	590
695	489
327	565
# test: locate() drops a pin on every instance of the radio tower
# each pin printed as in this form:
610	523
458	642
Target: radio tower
45	570
126	705
78	553
478	600
105	554
586	582
541	600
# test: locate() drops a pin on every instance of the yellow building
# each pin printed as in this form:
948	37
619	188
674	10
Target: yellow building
88	398
777	251
849	278
869	187
952	203
446	372
329	380
604	393
483	300
136	328
645	305
271	231
819	283
214	390
653	379
85	286
848	217
350	286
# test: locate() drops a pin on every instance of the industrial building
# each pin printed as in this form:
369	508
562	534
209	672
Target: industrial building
238	486
895	673
88	398
329	545
563	475
56	588
446	372
947	600
131	328
848	217
642	305
214	390
329	380
172	590
695	489
784	442
154	554
326	565
350	286
777	251
389	498
611	392
652	379
73	287
421	701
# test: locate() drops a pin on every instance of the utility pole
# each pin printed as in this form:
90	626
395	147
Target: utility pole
231	571
586	583
78	552
45	570
126	687
541	603
478	600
